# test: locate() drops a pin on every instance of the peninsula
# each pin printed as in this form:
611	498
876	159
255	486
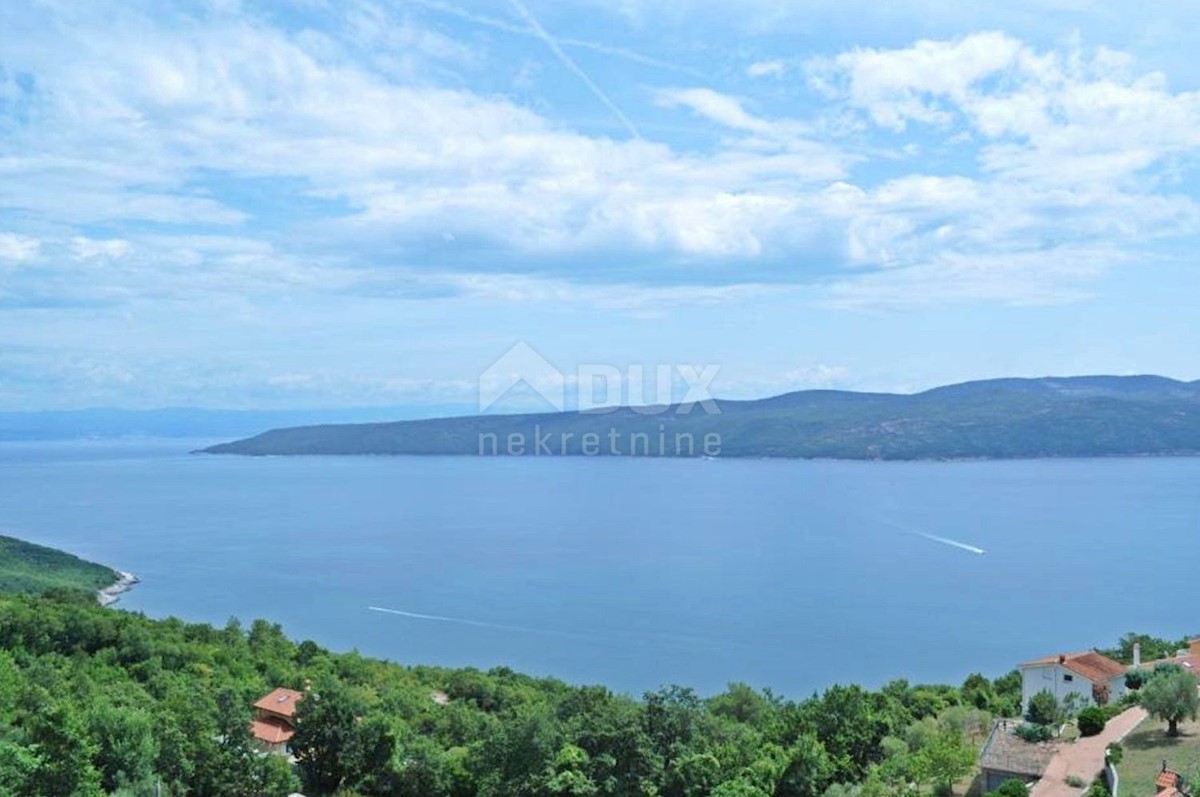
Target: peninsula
29	569
1083	416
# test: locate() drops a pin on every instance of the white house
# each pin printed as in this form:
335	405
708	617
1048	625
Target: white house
1072	673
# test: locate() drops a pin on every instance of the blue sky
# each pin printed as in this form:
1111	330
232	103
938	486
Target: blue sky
253	204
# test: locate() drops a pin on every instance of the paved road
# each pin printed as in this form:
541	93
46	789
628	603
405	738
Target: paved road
1085	757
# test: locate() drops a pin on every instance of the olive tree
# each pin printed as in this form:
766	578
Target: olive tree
1171	696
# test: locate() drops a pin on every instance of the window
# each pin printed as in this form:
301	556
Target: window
1068	677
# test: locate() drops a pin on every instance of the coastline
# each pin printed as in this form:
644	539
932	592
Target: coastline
112	593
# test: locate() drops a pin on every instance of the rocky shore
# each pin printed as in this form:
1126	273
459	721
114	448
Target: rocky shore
112	593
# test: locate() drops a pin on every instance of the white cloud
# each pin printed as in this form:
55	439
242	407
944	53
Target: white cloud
1065	116
898	86
773	68
18	248
104	249
519	289
239	99
713	105
1031	277
142	121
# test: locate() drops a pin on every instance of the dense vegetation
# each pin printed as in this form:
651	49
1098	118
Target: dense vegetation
95	701
1004	418
1153	648
29	568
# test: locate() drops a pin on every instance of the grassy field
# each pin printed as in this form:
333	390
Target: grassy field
29	568
1146	748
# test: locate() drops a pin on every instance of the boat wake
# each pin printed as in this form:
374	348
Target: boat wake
437	618
962	546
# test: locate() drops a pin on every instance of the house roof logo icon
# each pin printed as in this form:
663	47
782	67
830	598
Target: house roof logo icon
522	365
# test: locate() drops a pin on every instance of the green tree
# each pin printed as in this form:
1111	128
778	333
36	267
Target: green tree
127	745
1010	788
977	691
64	753
1152	648
1171	696
1044	709
809	769
514	755
1008	694
670	718
741	703
567	775
738	787
848	724
946	758
326	738
695	774
18	764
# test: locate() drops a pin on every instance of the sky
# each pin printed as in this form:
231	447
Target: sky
230	203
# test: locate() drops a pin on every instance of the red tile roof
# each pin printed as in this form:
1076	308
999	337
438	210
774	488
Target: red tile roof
1094	666
272	730
1167	780
1189	661
280	701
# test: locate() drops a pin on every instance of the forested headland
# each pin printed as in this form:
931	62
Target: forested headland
29	568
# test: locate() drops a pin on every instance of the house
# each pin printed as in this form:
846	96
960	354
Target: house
1082	674
1169	783
274	722
1187	658
1006	756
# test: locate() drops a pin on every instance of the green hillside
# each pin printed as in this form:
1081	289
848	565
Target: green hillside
96	702
997	419
26	568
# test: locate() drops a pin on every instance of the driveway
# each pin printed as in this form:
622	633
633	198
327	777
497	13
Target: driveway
1085	757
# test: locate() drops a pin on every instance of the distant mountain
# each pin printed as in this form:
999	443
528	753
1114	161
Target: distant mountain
184	421
1086	416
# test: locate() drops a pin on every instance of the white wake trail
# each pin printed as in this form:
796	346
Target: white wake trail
953	543
962	546
437	618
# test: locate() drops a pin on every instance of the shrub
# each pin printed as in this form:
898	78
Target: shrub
1010	788
1034	733
1135	679
1115	753
1091	721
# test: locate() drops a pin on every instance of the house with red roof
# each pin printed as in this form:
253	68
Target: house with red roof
1187	658
1169	783
274	722
1084	675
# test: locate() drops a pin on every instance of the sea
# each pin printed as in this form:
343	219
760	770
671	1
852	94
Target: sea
636	573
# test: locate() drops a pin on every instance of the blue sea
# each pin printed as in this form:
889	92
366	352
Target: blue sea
635	573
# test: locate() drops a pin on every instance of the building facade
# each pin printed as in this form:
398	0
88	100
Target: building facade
1081	675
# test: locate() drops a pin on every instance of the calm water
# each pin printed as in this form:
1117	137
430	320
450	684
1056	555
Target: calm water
636	573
